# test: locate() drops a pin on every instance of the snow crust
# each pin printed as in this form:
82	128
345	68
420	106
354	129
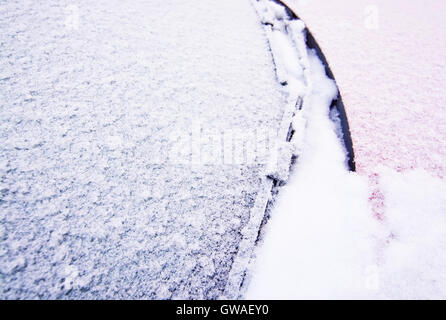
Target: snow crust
93	97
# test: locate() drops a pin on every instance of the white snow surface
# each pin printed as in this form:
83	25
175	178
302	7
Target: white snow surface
90	93
323	240
94	96
284	36
413	262
315	241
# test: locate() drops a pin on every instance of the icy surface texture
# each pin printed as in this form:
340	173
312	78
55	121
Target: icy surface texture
89	96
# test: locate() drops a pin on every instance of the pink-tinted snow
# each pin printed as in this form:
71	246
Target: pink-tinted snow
388	58
389	61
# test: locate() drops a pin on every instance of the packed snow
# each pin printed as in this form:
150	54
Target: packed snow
323	241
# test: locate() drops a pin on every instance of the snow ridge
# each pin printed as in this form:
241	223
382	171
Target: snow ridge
287	40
